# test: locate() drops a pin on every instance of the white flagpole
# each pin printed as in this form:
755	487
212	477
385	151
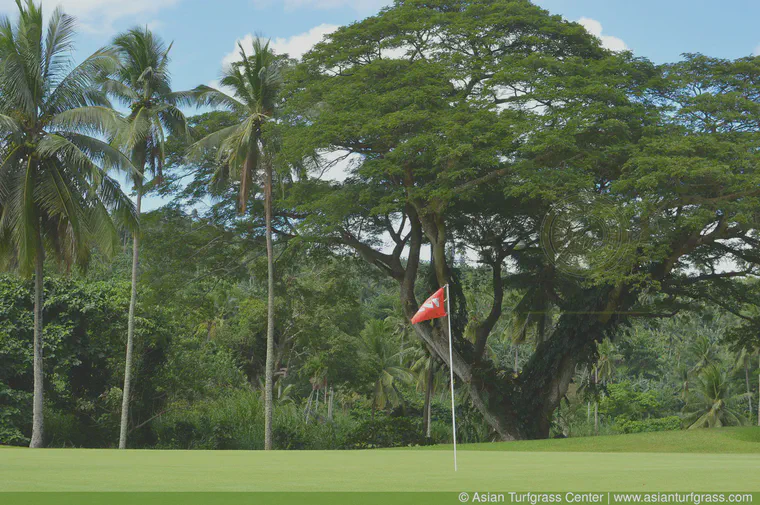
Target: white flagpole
451	371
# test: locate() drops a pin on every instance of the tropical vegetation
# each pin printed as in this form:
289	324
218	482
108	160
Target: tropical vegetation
593	214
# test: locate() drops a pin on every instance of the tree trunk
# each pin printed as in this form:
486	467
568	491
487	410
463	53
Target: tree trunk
308	407
514	407
37	405
596	418
268	408
428	397
596	403
126	391
758	392
330	405
749	389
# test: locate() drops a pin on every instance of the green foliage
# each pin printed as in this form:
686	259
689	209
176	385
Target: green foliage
669	423
386	431
384	364
466	124
625	401
232	421
55	189
142	82
83	347
14	415
713	401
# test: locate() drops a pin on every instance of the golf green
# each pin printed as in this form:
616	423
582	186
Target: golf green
547	468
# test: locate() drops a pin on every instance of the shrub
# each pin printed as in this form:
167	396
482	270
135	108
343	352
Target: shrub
670	423
386	432
234	421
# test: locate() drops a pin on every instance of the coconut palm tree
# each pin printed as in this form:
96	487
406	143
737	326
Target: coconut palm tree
426	370
55	193
744	360
704	354
714	404
382	355
603	370
244	151
142	83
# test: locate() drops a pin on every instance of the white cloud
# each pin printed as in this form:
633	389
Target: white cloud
756	52
294	46
98	16
594	27
357	5
297	45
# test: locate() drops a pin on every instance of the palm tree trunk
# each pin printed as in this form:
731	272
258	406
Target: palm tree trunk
37	416
307	413
130	332
596	418
428	397
596	405
330	405
270	312
749	389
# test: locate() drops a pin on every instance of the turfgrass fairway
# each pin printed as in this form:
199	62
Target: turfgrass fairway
718	460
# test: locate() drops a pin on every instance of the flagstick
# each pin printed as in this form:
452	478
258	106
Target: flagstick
451	371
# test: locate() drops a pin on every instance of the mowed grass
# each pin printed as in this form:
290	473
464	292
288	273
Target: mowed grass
705	460
717	441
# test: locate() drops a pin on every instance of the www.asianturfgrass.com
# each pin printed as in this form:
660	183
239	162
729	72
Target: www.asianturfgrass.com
530	498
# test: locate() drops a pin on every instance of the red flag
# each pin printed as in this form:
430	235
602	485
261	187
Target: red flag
431	309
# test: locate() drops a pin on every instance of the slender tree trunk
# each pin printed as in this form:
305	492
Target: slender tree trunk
308	407
428	396
596	418
758	392
596	406
749	389
270	312
37	405
126	391
330	405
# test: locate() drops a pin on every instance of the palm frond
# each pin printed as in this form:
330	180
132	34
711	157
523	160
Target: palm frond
79	88
102	121
206	96
58	44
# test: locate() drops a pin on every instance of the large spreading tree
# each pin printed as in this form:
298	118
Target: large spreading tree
467	122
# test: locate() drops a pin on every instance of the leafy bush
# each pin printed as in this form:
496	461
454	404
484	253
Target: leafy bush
629	401
670	423
234	421
14	412
386	431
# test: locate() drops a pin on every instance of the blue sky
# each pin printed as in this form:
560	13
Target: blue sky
205	32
